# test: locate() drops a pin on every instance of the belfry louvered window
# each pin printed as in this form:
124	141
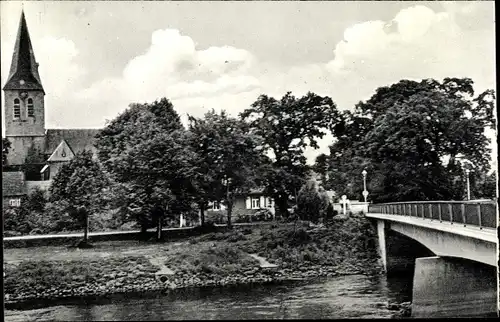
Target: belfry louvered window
17	108
31	109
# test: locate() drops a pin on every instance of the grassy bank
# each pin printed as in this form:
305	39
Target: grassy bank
215	259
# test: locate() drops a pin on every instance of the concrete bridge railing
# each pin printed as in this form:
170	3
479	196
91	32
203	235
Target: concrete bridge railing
467	213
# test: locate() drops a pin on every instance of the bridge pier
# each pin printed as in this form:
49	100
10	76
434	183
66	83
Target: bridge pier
446	287
382	247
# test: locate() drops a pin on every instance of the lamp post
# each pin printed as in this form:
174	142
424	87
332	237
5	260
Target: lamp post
467	171
365	192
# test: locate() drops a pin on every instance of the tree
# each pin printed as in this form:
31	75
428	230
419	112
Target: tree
288	126
409	137
161	176
146	152
311	202
30	216
78	185
486	185
228	157
5	150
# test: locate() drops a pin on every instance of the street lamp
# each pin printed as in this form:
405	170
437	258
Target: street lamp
467	171
365	192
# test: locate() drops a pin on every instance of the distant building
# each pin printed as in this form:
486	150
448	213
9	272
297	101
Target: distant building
13	188
244	205
24	104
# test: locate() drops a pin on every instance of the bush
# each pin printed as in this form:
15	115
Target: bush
32	275
311	203
262	215
208	227
299	237
236	236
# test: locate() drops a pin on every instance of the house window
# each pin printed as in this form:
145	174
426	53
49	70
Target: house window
31	110
255	203
216	205
17	108
15	202
269	203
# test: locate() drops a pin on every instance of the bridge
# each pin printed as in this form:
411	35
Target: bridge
461	278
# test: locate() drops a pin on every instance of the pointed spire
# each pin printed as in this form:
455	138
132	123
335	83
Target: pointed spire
24	68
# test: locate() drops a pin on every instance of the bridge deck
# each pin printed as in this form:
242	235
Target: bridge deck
486	234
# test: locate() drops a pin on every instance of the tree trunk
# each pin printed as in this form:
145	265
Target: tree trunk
229	213
86	231
144	231
158	229
202	213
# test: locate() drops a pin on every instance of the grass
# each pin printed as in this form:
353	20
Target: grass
349	244
40	275
209	259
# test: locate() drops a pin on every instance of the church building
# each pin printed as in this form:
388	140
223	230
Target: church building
44	150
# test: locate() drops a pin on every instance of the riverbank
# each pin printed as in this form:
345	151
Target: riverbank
346	247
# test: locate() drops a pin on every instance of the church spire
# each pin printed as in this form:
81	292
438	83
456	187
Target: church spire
24	68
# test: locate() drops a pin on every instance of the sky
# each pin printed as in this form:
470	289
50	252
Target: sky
95	58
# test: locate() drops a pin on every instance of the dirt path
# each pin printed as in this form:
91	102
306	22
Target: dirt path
158	261
263	262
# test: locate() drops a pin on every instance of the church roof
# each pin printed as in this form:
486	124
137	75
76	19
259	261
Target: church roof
24	68
62	153
77	139
13	184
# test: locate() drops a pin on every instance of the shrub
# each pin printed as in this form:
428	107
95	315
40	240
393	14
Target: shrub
236	236
262	215
299	237
311	203
208	227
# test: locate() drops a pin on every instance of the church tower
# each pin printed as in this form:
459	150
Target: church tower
24	100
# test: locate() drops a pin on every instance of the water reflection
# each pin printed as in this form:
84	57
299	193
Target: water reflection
353	296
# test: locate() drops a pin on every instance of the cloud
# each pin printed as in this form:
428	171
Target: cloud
416	43
172	66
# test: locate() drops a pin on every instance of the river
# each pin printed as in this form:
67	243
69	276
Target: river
354	296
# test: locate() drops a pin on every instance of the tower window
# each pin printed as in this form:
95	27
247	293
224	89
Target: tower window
17	108
31	110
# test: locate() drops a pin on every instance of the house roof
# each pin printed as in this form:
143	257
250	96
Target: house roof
13	184
256	191
24	68
77	139
62	153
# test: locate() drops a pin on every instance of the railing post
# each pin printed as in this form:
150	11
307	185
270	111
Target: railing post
439	212
450	210
430	211
479	215
404	209
416	210
423	217
462	208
